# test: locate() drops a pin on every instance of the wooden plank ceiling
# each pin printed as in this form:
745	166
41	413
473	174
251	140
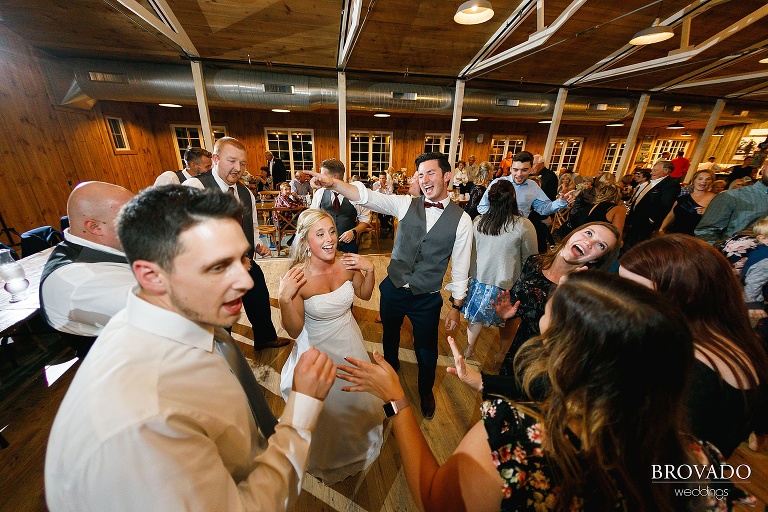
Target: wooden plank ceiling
418	40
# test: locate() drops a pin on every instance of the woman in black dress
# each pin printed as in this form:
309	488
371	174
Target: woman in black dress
688	209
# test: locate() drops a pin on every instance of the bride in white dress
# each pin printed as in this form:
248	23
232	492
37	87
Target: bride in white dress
315	299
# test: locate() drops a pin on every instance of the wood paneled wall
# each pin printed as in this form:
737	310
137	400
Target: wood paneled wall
45	150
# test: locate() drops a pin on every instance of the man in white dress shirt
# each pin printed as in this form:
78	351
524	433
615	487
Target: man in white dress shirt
86	279
229	163
433	230
196	160
154	418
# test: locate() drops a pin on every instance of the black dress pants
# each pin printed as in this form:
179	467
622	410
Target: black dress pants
424	313
257	307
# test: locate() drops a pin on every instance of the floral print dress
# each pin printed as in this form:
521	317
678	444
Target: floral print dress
529	481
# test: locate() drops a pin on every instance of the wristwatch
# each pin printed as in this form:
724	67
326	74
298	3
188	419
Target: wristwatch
394	407
453	303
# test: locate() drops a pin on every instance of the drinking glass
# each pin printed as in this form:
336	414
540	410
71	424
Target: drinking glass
12	273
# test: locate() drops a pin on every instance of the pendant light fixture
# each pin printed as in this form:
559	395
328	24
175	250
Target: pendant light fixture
653	34
677	125
474	12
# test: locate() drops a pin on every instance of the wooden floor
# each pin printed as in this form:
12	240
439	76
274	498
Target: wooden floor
27	412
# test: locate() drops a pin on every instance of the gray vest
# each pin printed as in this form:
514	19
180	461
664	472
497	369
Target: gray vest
420	258
244	194
345	218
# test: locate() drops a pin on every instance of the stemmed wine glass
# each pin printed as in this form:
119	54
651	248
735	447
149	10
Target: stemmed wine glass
12	273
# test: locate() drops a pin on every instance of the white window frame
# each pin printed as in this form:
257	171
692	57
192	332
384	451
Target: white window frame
119	135
561	145
673	145
445	144
218	132
291	164
495	157
368	171
612	154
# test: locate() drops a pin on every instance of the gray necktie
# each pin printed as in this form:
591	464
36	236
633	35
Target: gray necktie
229	350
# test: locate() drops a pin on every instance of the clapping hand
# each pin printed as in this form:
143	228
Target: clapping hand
314	375
504	307
378	379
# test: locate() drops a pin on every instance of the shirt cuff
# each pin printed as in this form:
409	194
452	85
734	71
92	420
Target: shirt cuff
301	411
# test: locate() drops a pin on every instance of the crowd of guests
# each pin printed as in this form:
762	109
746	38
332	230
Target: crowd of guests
638	345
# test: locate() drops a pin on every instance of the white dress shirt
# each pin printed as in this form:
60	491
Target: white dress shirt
461	255
80	298
155	420
363	213
224	186
170	178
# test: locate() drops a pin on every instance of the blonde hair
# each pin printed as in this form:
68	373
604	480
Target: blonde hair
227	141
610	192
300	246
761	227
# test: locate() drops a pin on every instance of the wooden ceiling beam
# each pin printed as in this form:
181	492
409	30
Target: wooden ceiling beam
748	90
534	41
170	27
349	31
678	56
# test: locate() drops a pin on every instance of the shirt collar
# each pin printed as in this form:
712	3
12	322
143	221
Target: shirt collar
69	237
166	323
656	181
223	185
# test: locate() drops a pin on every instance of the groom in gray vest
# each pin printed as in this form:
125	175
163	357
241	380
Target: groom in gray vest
432	231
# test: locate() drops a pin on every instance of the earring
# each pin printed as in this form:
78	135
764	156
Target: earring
309	252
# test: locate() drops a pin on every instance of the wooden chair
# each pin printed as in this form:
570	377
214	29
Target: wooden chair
285	221
373	228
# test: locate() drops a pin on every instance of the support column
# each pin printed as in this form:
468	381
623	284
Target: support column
629	147
557	115
701	145
458	105
202	104
343	122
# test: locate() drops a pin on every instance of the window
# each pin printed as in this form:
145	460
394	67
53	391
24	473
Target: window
565	153
500	144
117	134
673	146
441	143
370	152
191	136
612	155
294	146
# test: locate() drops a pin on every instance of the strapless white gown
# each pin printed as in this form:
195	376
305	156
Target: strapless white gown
349	433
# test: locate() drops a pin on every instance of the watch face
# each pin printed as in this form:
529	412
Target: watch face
389	409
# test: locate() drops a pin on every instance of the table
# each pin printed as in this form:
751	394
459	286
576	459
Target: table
14	314
287	218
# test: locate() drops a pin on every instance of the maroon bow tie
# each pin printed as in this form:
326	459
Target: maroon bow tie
427	204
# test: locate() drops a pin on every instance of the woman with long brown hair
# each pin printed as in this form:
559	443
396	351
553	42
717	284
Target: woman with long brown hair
727	394
605	422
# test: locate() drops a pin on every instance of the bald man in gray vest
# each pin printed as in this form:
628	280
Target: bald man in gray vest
433	230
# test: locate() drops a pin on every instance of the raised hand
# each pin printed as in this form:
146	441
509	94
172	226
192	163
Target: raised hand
290	284
503	306
320	180
354	261
314	375
378	379
466	374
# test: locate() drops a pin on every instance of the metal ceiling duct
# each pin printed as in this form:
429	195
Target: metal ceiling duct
82	82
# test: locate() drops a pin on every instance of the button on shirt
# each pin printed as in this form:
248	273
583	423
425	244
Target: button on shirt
529	194
155	420
398	206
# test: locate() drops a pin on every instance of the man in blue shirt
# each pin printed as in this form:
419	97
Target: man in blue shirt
529	194
733	210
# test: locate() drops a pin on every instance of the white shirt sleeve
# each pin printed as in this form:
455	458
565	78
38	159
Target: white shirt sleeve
194	183
167	178
317	197
460	258
377	202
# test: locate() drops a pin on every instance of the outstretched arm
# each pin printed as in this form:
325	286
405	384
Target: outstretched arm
346	189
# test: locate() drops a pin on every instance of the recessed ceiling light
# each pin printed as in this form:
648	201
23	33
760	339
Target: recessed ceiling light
380	114
170	105
545	121
474	12
280	110
469	119
615	123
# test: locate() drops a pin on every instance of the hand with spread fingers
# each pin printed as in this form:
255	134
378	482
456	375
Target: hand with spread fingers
466	374
290	284
379	379
504	307
315	374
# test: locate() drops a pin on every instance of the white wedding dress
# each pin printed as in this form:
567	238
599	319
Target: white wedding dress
349	433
